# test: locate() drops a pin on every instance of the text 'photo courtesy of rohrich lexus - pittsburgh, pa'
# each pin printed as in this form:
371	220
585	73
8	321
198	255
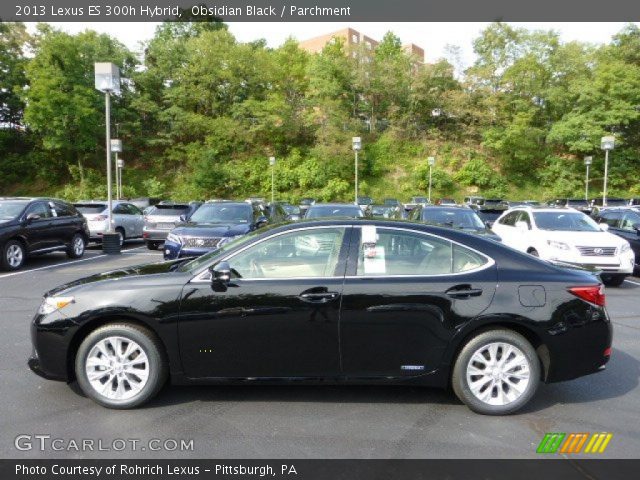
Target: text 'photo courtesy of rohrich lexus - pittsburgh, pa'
329	301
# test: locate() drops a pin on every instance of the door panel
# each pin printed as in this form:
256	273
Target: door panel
401	324
38	232
277	317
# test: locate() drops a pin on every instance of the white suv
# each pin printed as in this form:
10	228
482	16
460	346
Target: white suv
569	236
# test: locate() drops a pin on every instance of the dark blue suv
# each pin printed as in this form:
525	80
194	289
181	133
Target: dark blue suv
214	224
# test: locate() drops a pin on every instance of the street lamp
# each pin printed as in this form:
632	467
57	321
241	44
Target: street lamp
432	162
587	162
107	80
356	143
272	162
606	143
116	147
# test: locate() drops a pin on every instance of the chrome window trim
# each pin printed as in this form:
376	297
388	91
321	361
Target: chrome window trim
200	276
490	263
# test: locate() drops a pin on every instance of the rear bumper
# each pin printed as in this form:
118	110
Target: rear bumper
155	235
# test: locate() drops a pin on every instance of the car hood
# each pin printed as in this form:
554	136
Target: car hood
211	230
594	239
134	272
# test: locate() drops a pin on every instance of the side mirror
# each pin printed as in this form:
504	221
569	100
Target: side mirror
32	216
183	217
262	221
488	224
220	276
522	226
636	227
604	227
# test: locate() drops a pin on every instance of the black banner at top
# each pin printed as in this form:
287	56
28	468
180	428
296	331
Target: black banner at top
318	10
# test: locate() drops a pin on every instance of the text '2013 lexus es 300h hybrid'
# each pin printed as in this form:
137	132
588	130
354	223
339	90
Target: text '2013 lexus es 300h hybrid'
330	301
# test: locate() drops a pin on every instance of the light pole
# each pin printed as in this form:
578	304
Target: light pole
107	80
356	143
606	143
587	162
116	147
431	161
272	162
120	167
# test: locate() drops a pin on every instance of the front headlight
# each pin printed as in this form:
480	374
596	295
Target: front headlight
625	247
172	237
558	245
51	304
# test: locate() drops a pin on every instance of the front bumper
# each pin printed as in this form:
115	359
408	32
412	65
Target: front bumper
173	250
620	264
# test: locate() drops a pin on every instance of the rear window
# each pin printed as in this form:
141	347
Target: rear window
90	207
169	210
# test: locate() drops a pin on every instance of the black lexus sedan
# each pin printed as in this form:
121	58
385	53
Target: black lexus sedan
330	301
34	226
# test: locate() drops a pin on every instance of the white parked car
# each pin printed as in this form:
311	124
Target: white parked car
127	219
569	236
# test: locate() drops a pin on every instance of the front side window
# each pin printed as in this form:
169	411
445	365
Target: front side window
509	219
611	219
398	252
302	253
41	209
629	220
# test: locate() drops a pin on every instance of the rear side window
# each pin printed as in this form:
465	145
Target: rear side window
398	252
64	210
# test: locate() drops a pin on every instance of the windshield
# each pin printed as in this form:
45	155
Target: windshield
458	219
90	207
223	213
291	209
616	202
202	260
365	200
573	201
168	210
565	221
10	210
419	199
318	211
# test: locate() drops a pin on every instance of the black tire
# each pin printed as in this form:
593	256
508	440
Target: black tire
13	255
153	245
123	237
74	250
533	252
460	383
151	346
613	280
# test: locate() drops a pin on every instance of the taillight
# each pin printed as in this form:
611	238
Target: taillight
592	294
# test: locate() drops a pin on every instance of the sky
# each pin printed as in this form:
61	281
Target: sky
432	36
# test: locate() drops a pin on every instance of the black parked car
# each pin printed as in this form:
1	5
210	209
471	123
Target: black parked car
334	301
463	218
32	226
624	222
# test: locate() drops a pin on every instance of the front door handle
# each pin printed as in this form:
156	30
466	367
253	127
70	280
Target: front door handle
318	295
463	291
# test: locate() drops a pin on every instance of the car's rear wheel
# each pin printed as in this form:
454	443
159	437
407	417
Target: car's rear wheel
120	366
77	247
13	255
613	280
496	373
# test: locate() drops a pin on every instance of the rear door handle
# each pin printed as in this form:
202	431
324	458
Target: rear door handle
463	291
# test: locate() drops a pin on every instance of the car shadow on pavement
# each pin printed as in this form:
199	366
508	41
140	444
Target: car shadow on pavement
621	376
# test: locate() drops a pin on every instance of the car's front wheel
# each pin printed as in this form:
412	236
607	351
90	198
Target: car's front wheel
13	255
120	366
496	373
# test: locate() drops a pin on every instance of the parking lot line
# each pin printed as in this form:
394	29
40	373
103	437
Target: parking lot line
52	266
635	283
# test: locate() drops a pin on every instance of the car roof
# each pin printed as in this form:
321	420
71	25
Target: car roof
334	205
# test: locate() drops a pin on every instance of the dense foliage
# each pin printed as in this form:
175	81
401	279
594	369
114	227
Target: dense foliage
200	113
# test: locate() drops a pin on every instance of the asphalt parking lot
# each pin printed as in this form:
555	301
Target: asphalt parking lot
303	421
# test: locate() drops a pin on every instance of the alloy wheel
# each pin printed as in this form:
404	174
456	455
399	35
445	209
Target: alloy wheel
78	246
498	373
15	256
117	368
